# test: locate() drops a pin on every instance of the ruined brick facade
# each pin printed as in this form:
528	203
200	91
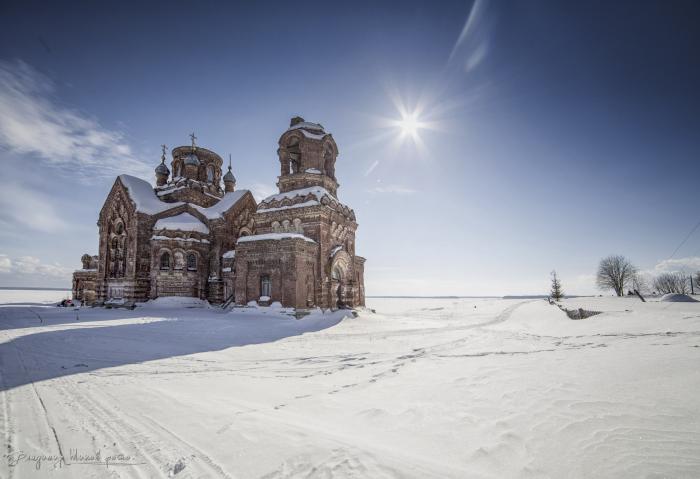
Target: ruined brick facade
189	237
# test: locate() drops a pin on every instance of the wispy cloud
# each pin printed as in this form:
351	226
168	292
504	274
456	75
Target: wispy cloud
472	45
372	167
393	189
683	265
32	123
5	264
30	265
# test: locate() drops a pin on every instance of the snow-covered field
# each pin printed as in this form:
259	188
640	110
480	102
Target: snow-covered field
482	388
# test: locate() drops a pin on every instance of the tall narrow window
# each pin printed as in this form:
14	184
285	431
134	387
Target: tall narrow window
165	261
265	286
192	262
210	174
178	260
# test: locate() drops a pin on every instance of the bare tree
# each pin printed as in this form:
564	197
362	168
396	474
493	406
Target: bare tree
672	283
640	283
556	293
697	279
614	272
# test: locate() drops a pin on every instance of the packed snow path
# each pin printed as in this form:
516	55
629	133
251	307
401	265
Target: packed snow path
423	388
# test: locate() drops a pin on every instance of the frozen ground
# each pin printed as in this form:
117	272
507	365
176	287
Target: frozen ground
424	388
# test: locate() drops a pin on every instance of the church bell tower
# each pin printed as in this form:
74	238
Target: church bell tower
307	157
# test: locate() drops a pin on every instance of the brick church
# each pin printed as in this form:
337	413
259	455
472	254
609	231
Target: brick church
188	236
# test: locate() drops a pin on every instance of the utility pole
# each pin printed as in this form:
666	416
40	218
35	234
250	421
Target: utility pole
692	287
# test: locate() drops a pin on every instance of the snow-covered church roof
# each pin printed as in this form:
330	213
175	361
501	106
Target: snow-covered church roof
142	194
181	222
310	130
303	197
273	236
147	201
316	191
227	201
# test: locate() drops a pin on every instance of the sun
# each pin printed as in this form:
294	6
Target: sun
409	125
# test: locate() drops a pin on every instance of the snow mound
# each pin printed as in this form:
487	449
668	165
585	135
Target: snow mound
677	298
175	302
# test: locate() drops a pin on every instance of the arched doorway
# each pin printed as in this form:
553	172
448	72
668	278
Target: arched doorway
337	288
340	276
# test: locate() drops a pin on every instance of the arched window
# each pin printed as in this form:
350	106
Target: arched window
210	174
115	242
328	163
120	228
294	155
192	262
179	258
265	286
165	261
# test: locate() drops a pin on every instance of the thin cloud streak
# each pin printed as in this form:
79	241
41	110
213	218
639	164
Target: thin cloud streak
31	123
32	266
472	45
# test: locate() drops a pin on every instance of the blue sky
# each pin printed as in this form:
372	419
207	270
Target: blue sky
550	134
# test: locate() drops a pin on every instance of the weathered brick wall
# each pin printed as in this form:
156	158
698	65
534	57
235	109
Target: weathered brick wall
177	279
284	261
85	286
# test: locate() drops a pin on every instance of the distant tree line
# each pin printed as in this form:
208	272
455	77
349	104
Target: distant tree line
672	283
619	274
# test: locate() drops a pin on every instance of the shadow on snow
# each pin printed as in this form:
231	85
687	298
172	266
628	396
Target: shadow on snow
49	354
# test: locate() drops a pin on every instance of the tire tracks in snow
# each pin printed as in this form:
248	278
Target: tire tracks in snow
166	456
36	403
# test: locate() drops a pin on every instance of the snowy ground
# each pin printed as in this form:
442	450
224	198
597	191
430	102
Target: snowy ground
424	388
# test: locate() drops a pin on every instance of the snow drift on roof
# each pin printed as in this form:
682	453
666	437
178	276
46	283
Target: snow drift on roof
225	204
181	222
295	205
318	191
147	201
142	194
274	236
307	125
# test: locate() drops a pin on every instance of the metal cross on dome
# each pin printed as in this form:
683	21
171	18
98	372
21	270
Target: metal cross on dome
164	148
193	138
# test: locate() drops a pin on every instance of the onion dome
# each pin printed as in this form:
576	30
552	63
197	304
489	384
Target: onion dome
229	176
162	170
192	159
